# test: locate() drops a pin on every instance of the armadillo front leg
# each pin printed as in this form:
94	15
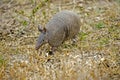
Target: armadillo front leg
53	49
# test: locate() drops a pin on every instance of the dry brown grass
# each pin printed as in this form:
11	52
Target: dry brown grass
95	56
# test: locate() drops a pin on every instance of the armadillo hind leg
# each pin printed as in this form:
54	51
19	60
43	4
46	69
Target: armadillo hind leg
74	39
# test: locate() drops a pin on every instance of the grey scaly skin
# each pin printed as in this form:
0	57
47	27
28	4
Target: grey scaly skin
62	26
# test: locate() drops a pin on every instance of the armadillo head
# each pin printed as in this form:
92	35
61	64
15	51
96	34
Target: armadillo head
42	38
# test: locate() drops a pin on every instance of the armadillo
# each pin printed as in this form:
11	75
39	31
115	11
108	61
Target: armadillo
62	26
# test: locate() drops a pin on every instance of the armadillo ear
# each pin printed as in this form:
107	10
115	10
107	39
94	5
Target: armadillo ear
40	28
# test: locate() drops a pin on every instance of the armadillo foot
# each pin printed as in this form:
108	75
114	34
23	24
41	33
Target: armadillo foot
50	53
53	49
74	40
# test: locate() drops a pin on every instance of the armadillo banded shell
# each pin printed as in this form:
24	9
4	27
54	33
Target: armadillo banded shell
63	26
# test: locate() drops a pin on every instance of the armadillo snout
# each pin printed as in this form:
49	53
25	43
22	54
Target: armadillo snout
38	44
37	47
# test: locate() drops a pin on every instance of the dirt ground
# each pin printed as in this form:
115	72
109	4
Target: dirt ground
95	55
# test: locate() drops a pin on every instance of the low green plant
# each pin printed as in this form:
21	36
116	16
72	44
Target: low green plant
2	61
82	35
100	25
103	41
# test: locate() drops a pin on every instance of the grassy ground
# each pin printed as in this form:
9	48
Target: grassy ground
95	56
